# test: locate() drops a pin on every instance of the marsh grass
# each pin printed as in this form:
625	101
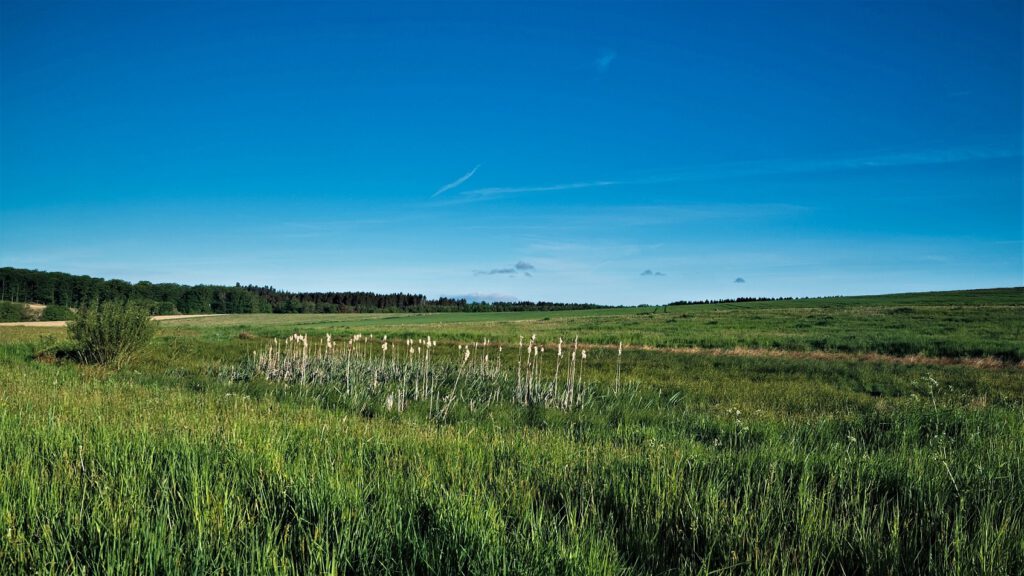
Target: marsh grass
368	375
200	457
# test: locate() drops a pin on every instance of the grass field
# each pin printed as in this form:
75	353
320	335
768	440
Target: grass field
944	324
774	437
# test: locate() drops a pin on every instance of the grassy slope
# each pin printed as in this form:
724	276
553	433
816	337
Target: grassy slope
703	463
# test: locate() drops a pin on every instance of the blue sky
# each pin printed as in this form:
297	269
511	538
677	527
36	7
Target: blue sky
615	153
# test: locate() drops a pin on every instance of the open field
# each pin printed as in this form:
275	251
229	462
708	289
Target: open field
976	324
772	437
62	323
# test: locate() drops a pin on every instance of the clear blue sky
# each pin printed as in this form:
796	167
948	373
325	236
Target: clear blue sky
612	153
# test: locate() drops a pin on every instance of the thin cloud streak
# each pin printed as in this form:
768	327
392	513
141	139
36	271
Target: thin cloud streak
641	215
865	161
521	266
605	61
494	272
457	182
484	193
780	166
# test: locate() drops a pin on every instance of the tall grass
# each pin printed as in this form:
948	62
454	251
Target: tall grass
365	374
104	475
362	454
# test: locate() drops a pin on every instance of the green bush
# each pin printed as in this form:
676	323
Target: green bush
12	312
55	312
111	333
166	309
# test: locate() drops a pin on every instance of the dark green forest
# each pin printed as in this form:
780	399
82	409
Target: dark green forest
58	288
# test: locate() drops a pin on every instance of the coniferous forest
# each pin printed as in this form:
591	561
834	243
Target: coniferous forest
21	285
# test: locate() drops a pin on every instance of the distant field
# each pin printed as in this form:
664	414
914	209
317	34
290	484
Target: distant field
215	453
970	324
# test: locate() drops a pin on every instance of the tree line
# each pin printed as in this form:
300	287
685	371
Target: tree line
58	288
731	300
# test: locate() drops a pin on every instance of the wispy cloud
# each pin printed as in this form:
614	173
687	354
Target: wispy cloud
521	267
604	61
456	182
775	166
649	272
886	160
485	193
647	215
494	272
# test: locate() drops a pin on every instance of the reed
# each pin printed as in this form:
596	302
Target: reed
357	376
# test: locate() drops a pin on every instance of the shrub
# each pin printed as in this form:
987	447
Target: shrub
111	333
12	312
55	312
166	309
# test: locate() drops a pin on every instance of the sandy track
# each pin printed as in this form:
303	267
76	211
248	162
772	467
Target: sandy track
59	323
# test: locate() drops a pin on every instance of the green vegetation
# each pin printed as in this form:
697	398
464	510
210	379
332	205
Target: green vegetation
218	449
973	324
13	312
168	298
57	312
111	332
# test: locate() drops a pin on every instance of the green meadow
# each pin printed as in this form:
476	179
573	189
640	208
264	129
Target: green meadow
862	435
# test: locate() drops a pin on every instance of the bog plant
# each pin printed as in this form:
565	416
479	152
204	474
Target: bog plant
368	373
111	333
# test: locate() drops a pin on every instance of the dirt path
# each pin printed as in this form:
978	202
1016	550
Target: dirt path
59	323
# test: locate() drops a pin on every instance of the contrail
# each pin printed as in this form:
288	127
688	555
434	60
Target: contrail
451	185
